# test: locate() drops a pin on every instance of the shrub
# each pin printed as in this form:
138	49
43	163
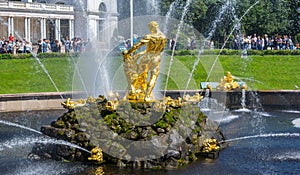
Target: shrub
16	56
234	52
40	55
52	55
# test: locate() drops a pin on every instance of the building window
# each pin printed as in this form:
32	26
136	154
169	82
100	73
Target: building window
101	23
100	30
61	3
102	7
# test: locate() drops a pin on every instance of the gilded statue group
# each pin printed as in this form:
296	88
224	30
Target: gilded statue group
139	65
141	69
227	83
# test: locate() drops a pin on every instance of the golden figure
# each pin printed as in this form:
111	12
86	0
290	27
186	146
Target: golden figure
99	171
210	145
196	98
68	104
146	63
96	155
228	83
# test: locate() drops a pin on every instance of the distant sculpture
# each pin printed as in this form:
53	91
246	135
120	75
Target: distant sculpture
228	83
138	66
96	155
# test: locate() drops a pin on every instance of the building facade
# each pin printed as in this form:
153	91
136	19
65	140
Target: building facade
58	19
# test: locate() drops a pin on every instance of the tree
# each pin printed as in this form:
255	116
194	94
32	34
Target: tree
294	16
261	17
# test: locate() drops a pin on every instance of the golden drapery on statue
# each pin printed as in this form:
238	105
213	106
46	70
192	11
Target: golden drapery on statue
142	68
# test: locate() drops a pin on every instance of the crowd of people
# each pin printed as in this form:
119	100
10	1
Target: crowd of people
264	42
11	45
76	45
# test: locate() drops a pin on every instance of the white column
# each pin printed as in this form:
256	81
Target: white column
57	29
12	25
29	31
9	25
27	28
71	28
44	28
10	21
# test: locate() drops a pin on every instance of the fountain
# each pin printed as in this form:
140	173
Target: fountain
137	129
146	129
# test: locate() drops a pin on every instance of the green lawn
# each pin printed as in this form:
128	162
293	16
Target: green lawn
259	72
27	75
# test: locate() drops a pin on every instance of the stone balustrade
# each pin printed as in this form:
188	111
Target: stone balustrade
36	6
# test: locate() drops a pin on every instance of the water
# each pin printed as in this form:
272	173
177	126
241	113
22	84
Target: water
153	7
205	101
243	100
185	10
265	136
19	142
169	14
296	122
225	7
272	150
19	126
217	58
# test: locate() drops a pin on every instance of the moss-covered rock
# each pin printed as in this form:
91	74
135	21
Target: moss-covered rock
177	133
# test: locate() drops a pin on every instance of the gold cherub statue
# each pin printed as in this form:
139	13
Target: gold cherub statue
68	104
96	155
210	145
227	83
145	63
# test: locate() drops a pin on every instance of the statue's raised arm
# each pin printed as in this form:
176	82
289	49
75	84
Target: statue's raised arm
138	66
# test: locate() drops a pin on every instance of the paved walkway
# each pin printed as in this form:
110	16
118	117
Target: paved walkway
32	101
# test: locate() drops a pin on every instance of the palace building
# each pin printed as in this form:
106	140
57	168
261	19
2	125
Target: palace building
58	19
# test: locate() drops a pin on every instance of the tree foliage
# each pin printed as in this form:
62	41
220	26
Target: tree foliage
260	16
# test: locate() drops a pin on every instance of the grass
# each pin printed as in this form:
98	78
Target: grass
259	72
27	75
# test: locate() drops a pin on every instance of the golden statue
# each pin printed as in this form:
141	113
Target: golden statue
145	63
228	83
210	145
96	155
68	104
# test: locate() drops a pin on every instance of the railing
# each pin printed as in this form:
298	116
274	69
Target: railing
36	6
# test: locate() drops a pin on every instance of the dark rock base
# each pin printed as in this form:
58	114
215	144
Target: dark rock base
138	134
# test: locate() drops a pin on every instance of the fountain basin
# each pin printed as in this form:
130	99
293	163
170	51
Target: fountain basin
280	99
251	156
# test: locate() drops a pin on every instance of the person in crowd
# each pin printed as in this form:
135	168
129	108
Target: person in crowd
173	44
188	44
28	47
10	47
254	42
67	45
20	46
44	45
193	43
291	43
40	46
11	37
56	46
